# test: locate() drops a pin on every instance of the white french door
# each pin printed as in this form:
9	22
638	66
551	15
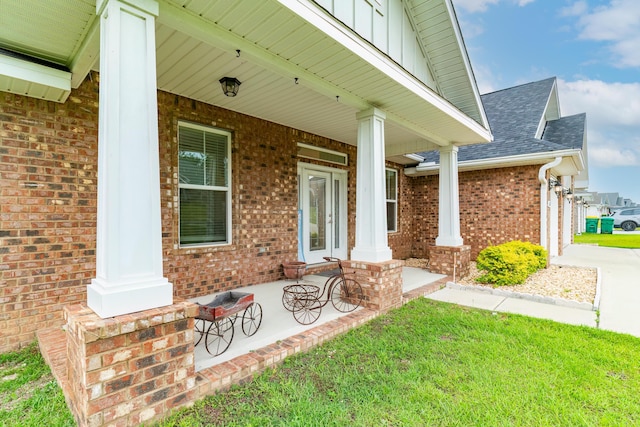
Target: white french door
323	205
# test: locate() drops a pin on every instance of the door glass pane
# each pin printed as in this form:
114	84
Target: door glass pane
317	213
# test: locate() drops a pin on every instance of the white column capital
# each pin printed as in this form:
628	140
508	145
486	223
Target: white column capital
371	112
148	6
449	149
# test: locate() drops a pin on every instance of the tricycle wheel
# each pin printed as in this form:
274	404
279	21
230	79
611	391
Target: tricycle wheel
219	336
251	319
306	309
346	295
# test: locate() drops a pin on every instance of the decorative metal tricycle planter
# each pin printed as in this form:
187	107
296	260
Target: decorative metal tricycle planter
305	300
221	314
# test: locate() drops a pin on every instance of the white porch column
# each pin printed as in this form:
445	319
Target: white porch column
449	207
371	203
129	275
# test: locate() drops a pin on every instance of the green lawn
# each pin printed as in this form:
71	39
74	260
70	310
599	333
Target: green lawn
434	364
426	364
610	240
29	395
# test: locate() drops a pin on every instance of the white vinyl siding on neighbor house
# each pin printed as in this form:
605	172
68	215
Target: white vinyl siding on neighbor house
204	170
391	180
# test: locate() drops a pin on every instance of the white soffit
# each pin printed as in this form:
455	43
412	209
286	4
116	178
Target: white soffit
28	78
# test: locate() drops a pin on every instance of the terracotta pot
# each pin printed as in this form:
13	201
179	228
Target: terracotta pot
294	269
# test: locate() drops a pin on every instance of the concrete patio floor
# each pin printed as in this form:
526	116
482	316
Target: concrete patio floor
279	335
278	324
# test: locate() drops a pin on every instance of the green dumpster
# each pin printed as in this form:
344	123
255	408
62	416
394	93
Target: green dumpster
592	225
606	225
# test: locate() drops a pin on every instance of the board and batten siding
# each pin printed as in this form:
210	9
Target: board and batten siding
387	25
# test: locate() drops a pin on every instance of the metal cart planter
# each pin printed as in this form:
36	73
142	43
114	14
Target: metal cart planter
305	300
221	315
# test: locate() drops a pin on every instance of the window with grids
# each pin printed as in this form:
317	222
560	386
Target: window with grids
204	169
391	179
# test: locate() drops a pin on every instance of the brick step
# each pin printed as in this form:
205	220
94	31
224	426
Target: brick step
53	347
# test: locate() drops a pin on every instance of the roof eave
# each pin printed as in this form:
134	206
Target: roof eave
572	164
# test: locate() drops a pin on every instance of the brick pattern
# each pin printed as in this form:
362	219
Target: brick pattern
424	213
496	206
130	369
381	282
453	261
48	162
499	205
401	241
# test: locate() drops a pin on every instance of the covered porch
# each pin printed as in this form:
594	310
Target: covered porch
278	337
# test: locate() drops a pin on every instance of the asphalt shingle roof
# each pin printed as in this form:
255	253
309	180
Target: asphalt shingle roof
514	115
567	131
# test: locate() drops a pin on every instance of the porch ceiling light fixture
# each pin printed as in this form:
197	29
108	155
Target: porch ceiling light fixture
568	194
230	86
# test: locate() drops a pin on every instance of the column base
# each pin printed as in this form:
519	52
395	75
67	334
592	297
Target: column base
130	370
381	282
450	260
109	301
371	254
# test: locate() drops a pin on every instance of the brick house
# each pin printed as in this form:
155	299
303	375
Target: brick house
508	187
131	182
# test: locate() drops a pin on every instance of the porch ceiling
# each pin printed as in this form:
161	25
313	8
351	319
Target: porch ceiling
279	41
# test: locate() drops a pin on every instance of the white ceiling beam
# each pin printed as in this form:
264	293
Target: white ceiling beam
86	56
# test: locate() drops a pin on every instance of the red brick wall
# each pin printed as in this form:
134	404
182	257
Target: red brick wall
499	205
425	214
496	206
48	162
401	241
48	188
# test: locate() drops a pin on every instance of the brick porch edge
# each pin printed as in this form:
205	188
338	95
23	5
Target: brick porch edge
53	346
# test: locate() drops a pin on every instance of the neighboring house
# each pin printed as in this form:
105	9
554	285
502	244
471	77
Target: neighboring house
507	186
130	181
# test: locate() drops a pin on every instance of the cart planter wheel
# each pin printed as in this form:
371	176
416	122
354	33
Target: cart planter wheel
252	319
215	321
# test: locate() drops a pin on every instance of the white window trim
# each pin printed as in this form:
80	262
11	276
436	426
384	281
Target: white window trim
228	188
394	201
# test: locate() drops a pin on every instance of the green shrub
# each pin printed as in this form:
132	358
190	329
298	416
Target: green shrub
510	263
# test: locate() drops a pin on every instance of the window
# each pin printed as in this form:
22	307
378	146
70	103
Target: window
391	179
204	170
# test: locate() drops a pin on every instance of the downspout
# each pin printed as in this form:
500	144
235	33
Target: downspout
544	189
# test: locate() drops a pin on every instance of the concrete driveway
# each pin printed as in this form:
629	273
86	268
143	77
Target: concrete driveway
620	269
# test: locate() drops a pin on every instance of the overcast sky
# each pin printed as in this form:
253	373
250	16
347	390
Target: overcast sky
592	47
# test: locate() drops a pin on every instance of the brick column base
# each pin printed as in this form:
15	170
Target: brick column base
381	282
450	260
130	369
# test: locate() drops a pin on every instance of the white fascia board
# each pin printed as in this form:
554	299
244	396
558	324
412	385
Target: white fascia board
466	61
35	73
337	31
499	162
